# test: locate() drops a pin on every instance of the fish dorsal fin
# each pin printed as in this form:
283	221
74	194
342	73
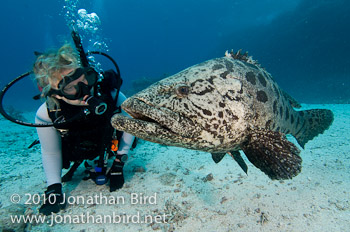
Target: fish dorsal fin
291	100
242	57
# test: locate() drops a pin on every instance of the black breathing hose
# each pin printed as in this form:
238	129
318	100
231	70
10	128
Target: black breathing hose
12	119
9	117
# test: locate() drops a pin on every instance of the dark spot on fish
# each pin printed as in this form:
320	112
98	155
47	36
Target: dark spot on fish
231	91
195	73
209	89
287	113
194	83
241	90
229	65
234	117
229	97
301	129
221	115
250	77
217	66
281	111
221	104
261	96
298	132
206	112
215	133
262	80
186	106
268	124
211	79
274	125
275	107
283	102
292	118
224	74
278	129
276	91
203	70
304	123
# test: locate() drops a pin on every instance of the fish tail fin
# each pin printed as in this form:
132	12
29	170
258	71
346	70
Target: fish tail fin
316	122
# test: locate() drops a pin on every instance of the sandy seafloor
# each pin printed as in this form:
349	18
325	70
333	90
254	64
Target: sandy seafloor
318	199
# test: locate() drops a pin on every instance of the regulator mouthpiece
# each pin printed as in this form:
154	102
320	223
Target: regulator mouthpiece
96	106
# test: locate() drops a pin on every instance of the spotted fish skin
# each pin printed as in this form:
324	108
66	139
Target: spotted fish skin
225	105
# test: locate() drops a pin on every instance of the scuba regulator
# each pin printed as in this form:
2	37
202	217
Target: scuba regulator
95	105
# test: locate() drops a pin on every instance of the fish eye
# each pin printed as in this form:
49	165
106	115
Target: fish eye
182	91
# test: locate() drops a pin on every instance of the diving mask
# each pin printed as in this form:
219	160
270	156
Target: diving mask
76	85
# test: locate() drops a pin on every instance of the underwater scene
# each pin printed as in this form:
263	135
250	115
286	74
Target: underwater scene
212	115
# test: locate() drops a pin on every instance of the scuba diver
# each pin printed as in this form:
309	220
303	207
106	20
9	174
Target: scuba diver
71	88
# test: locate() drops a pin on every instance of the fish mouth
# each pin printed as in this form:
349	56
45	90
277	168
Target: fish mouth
153	123
140	117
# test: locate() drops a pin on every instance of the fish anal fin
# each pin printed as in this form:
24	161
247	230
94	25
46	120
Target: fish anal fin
273	154
217	157
238	158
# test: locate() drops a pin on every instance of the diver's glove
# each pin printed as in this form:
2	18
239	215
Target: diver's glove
116	177
54	200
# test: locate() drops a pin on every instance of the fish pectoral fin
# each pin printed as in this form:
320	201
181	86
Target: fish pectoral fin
238	158
273	154
217	157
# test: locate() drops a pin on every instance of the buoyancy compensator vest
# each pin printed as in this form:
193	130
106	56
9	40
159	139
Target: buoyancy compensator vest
90	136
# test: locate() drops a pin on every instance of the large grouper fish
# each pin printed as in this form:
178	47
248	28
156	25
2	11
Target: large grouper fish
222	106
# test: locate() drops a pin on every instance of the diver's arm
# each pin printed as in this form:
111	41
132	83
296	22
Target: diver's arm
127	139
50	141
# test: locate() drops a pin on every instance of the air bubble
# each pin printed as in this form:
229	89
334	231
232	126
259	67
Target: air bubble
87	25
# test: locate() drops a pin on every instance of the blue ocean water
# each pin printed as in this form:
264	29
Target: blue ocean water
304	44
